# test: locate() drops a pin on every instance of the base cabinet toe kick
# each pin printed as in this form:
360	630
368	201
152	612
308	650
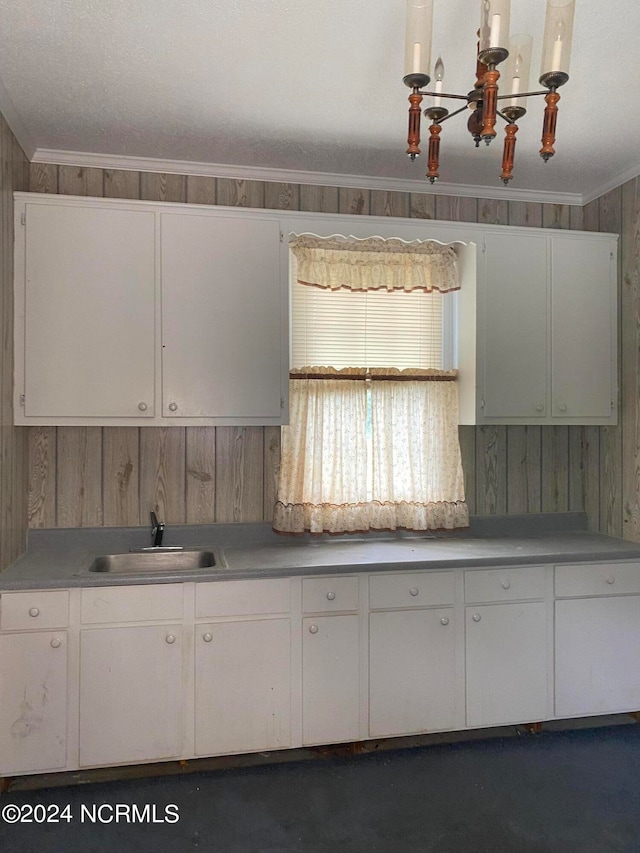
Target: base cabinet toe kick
120	675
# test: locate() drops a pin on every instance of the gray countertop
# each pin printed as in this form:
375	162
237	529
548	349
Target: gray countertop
61	558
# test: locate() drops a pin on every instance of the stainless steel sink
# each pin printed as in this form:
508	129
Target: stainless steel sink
153	561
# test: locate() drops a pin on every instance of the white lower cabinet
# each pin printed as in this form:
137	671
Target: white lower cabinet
597	665
242	686
506	663
132	694
330	679
411	671
33	702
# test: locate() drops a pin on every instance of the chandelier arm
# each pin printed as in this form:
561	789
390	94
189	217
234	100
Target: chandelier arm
454	113
446	95
523	94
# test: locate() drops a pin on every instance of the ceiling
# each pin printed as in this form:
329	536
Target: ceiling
274	87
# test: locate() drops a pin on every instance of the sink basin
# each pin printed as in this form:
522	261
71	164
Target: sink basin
153	561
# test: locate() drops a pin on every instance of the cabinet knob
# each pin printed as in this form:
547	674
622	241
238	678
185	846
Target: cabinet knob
331	596
33	611
56	643
505	584
444	620
313	629
414	590
563	407
173	407
142	407
476	617
207	637
539	407
611	579
170	638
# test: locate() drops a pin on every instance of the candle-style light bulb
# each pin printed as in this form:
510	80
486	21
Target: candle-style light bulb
439	74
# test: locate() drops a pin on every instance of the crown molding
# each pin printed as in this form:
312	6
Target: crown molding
286	176
611	184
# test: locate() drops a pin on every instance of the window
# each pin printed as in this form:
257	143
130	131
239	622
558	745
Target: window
372	441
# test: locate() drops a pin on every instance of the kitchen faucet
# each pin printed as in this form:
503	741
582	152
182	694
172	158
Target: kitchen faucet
157	531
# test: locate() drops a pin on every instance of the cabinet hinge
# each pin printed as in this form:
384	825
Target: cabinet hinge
482	404
282	402
282	236
23	218
22	400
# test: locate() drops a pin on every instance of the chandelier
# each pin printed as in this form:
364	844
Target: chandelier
494	46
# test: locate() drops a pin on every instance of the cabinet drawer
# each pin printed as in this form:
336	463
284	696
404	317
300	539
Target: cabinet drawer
519	583
419	589
144	603
243	598
597	579
320	595
33	609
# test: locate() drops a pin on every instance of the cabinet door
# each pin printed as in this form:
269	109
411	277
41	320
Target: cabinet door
514	326
582	327
89	312
506	663
597	642
411	671
33	702
222	317
131	694
330	679
243	686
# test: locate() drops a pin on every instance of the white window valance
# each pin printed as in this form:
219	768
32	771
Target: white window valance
375	264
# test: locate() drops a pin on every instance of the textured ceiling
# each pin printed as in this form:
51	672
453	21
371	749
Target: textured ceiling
311	85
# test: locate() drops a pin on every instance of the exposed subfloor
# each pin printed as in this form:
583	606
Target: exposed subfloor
555	792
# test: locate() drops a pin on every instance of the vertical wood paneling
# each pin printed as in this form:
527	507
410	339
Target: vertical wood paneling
422	206
282	196
555	468
456	209
201	189
41	501
630	362
79	180
121	183
239	473
491	470
158	186
162	474
584	472
610	219
353	201
556	216
389	203
591	216
43	178
523	469
79	477
201	475
240	193
318	199
525	214
120	476
467	439
271	469
493	211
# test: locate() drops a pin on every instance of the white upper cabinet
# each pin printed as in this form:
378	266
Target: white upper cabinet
87	310
139	313
221	317
547	322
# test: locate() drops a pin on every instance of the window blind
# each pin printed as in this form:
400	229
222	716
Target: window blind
344	328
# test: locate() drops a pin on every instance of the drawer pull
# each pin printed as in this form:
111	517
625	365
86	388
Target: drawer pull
170	638
476	617
611	579
505	584
331	596
313	629
56	643
207	637
414	590
444	620
33	611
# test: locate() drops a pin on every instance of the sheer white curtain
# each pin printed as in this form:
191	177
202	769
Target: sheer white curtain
323	467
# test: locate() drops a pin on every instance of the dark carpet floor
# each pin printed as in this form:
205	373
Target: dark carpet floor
561	792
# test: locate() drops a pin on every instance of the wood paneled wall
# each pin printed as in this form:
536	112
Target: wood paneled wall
14	175
113	476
